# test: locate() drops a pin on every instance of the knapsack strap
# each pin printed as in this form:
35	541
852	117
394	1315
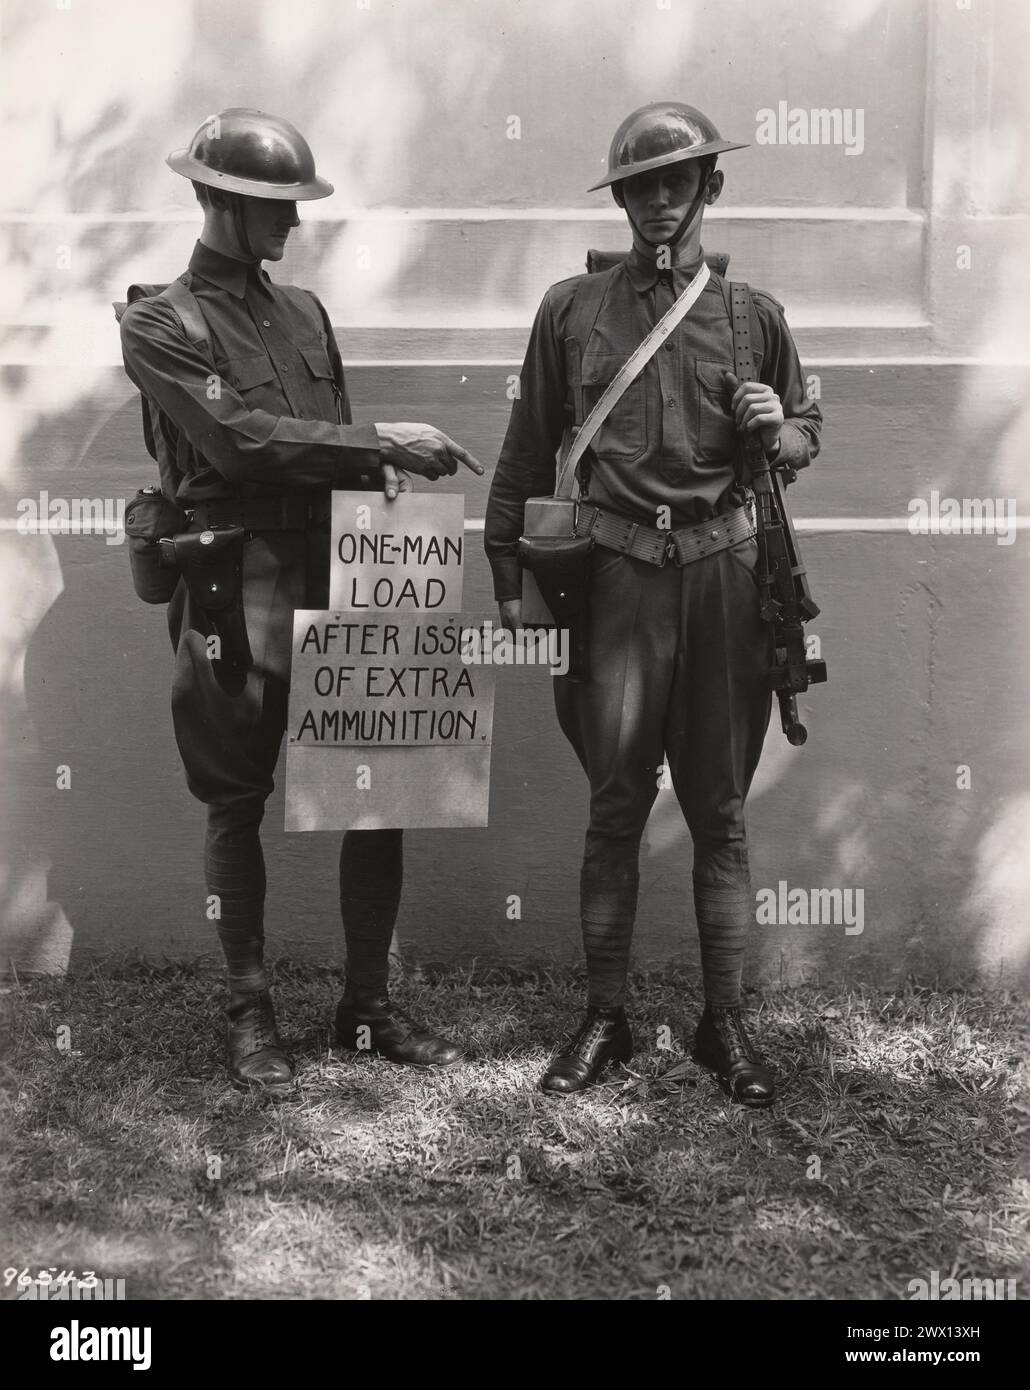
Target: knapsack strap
625	377
183	302
188	311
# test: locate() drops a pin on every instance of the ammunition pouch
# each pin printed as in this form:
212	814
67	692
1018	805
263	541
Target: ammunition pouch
211	562
561	567
151	520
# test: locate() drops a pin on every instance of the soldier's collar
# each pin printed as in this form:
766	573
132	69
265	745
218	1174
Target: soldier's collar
643	272
223	271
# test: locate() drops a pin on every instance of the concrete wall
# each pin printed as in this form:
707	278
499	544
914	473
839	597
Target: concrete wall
432	256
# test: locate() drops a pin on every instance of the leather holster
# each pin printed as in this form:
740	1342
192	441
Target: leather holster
211	562
561	567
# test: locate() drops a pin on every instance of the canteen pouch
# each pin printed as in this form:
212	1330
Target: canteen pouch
561	567
151	519
211	562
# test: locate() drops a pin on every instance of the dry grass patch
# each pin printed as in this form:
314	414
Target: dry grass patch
898	1147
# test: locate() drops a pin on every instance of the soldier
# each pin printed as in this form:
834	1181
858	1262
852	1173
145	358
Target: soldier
259	425
678	655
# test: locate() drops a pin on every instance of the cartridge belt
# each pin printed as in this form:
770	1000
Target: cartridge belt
682	546
289	512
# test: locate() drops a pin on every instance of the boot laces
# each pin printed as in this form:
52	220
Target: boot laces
734	1025
588	1035
259	1021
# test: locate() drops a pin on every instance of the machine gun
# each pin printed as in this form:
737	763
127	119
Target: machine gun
785	599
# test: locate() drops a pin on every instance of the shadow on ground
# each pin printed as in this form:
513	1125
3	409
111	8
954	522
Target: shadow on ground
895	1150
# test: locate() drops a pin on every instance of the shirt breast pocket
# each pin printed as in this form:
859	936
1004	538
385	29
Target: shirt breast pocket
317	361
322	384
623	435
245	373
716	429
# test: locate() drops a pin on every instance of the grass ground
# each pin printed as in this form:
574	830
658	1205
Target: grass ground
897	1148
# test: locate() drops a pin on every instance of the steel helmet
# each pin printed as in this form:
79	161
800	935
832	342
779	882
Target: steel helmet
660	133
250	152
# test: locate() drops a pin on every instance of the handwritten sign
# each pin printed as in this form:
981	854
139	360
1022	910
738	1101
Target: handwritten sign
388	727
387	683
403	556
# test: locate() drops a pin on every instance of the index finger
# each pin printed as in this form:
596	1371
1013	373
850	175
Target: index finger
463	456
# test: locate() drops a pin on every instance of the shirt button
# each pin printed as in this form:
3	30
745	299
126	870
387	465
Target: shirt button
668	347
286	367
670	400
265	323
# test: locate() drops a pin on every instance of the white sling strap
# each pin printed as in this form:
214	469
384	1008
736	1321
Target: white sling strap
627	374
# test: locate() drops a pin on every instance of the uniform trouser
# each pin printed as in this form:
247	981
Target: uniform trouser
679	664
229	728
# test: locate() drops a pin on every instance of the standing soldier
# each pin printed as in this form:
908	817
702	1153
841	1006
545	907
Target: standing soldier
245	386
679	656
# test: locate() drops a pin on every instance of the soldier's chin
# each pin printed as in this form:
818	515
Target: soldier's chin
274	249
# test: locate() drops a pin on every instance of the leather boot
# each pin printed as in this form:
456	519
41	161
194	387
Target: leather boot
391	1033
721	1043
257	1060
604	1036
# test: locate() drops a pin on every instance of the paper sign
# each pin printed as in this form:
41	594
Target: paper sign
403	556
388	727
385	683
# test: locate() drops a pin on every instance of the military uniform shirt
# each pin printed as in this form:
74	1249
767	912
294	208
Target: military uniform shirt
271	412
671	440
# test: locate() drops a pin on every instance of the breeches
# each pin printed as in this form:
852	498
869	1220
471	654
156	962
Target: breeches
679	672
229	725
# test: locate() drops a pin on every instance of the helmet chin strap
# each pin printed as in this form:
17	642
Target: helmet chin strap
688	217
239	224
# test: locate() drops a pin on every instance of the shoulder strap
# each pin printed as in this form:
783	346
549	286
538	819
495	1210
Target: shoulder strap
181	299
583	312
586	305
183	302
627	374
188	311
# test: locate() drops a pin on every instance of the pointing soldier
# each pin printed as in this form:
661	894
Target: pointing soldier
249	409
679	656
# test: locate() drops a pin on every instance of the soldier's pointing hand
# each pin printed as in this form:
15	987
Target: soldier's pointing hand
422	449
